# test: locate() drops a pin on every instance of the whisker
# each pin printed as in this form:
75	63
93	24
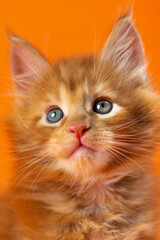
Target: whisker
123	155
31	162
34	181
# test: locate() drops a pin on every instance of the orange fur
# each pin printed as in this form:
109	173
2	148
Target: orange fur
106	192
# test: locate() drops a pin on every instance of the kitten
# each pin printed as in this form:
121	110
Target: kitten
84	133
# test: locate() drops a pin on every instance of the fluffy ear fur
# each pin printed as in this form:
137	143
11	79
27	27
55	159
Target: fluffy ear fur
124	48
28	66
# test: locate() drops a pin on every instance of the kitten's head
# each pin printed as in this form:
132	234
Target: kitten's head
84	118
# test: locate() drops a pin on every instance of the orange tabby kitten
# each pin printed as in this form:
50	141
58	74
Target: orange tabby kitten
84	134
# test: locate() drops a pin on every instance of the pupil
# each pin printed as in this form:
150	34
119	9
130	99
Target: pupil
102	105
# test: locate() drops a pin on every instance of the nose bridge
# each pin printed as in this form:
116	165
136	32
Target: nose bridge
80	119
77	112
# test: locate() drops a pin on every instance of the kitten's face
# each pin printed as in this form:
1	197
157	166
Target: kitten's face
84	117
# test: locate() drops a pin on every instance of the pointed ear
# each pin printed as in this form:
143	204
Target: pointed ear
28	66
124	48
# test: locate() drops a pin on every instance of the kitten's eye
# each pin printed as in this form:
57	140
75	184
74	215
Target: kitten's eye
54	115
102	106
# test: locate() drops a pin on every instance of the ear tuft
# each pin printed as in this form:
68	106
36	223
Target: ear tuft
28	66
124	47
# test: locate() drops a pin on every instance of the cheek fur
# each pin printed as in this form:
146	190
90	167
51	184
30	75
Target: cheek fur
61	143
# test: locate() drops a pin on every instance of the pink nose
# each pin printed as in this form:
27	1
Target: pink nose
78	130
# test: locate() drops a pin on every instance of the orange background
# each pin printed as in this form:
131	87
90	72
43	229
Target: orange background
68	27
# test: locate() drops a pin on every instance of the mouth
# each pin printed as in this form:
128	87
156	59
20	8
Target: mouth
81	150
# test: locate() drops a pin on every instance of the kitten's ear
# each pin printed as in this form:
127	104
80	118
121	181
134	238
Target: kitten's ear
124	47
28	66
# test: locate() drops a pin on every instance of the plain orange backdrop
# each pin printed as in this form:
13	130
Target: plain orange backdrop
63	28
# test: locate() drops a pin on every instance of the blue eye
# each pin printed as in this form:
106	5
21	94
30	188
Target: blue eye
54	115
102	106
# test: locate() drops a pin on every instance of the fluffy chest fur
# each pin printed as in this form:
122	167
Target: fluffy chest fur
100	212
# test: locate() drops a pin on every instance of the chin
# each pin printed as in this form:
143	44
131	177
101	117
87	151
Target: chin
84	163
